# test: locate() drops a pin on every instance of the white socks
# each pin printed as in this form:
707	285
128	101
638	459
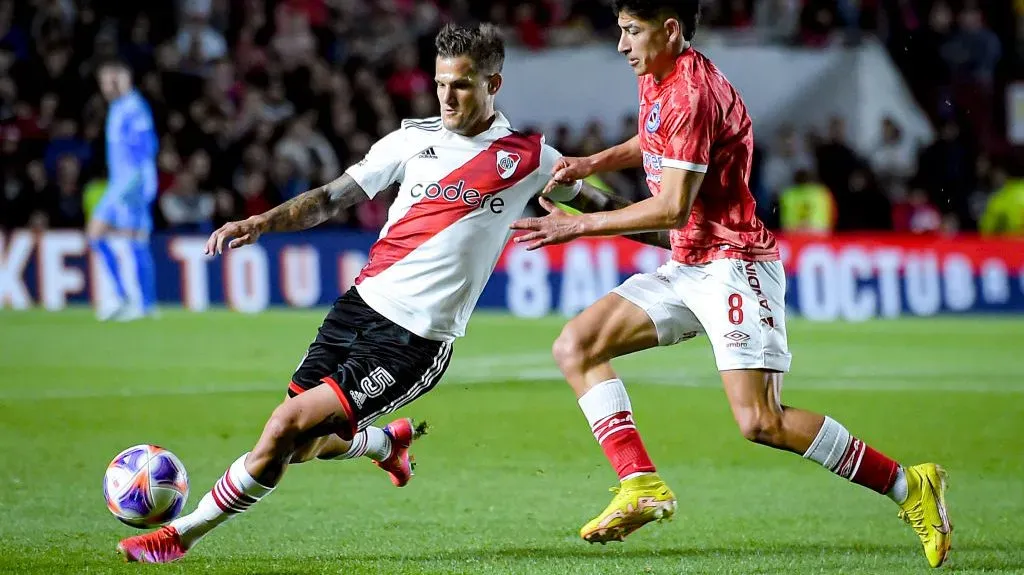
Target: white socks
840	452
899	490
829	446
604	399
610	415
233	493
371	442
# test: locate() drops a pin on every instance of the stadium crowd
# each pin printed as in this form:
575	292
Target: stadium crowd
258	100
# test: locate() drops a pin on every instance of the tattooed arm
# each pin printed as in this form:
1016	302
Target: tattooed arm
591	199
302	212
314	207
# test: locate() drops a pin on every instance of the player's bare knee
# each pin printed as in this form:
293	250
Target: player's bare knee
572	351
762	426
564	351
281	431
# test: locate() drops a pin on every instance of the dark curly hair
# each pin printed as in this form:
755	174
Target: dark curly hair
483	44
686	11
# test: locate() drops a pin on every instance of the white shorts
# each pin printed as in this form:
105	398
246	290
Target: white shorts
741	306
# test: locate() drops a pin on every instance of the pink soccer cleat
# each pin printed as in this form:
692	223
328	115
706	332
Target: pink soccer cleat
400	463
160	546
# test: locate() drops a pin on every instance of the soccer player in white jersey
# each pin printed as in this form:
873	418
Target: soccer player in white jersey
465	177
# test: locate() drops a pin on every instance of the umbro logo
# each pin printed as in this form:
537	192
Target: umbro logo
737	338
428	154
737	335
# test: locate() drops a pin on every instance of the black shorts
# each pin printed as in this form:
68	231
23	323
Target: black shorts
374	365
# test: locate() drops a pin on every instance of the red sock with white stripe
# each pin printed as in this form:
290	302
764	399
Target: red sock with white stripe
848	457
607	409
233	493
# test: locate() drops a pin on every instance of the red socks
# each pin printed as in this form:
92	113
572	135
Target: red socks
848	457
607	409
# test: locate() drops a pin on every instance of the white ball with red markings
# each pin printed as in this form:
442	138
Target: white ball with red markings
145	486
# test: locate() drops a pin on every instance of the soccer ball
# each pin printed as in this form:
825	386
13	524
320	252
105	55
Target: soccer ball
145	486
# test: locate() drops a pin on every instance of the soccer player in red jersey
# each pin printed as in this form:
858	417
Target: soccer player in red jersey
724	279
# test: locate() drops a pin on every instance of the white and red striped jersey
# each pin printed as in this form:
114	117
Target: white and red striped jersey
450	220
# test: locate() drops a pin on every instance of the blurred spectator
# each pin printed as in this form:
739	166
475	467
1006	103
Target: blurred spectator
818	23
197	41
255	197
974	50
917	214
807	206
528	28
408	79
64	141
308	151
12	35
15	197
187	208
592	140
862	205
294	43
778	20
286	179
783	161
1004	214
972	55
945	168
63	198
138	51
836	160
276	106
894	160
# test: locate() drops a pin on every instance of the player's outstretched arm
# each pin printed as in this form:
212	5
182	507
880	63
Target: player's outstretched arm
618	157
299	213
591	199
667	211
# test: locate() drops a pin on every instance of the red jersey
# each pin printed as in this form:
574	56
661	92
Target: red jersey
695	120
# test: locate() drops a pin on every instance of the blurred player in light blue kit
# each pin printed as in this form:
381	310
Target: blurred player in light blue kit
131	189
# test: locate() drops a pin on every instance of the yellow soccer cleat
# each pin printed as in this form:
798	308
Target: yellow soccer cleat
637	501
925	510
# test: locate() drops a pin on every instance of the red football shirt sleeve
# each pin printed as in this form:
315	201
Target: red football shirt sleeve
690	133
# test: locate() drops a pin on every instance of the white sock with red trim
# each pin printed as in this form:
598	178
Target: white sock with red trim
610	415
372	442
233	493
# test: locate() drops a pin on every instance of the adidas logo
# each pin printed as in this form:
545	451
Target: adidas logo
358	397
428	154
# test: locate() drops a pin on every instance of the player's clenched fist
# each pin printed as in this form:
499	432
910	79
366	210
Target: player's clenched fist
567	170
244	233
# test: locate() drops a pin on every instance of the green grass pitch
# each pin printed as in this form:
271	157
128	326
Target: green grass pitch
510	471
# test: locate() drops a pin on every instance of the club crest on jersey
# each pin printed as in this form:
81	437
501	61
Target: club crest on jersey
507	164
654	118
